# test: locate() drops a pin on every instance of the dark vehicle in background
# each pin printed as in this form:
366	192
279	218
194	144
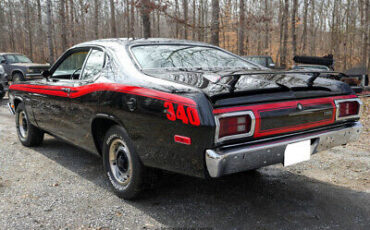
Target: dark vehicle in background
4	82
355	77
181	106
358	76
265	61
20	68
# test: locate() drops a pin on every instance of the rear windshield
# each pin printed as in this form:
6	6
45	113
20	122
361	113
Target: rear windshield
185	56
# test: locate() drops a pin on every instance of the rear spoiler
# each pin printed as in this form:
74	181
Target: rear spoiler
314	75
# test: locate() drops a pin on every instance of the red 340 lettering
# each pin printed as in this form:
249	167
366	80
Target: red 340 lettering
188	115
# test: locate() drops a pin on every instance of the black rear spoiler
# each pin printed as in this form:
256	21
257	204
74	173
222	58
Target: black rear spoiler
314	75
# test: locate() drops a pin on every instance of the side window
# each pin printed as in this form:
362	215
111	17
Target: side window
94	64
72	65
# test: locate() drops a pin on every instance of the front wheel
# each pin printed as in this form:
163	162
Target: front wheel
28	134
121	163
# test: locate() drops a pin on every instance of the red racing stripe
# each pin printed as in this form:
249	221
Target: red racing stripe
98	87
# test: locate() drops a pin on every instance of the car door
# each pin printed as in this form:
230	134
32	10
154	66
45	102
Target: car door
84	103
52	104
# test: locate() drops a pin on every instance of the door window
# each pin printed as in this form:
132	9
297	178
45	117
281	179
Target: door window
70	68
94	64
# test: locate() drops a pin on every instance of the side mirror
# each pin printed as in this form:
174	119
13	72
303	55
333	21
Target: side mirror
46	74
272	65
3	61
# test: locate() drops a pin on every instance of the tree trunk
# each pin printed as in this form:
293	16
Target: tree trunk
241	28
281	30
285	41
294	35
72	21
132	20
185	8
113	18
11	26
304	34
200	21
62	19
215	23
177	29
49	34
194	20
29	29
366	31
40	32
267	25
82	17
145	16
96	16
313	30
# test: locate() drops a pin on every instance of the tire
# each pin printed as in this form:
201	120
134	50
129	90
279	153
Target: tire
28	134
121	164
17	77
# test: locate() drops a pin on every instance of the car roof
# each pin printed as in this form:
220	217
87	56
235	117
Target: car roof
132	41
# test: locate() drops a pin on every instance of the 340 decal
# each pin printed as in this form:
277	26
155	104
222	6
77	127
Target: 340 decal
187	116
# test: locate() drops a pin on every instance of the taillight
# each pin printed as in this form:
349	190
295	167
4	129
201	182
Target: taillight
234	125
349	108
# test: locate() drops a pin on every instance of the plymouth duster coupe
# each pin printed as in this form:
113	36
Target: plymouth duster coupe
181	106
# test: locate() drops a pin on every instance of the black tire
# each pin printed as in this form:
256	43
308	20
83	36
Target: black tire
124	169
28	134
17	77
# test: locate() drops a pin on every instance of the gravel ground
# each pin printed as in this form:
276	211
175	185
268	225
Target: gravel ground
58	186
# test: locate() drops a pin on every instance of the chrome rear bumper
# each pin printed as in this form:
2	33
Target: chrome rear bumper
237	159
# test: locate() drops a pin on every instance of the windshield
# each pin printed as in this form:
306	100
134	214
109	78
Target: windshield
17	58
185	56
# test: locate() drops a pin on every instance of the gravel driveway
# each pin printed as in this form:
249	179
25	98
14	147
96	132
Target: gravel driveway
58	186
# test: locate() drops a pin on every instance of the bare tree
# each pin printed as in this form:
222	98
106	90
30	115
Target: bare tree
113	18
294	35
185	8
215	23
285	41
305	17
145	17
96	17
49	34
62	18
241	28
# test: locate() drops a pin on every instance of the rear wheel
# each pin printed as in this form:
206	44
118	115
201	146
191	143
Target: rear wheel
121	163
17	77
28	134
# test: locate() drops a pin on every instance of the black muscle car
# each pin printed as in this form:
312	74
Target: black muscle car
181	106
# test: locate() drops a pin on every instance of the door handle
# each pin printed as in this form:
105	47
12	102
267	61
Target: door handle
67	90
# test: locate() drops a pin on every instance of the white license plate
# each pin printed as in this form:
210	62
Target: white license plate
297	152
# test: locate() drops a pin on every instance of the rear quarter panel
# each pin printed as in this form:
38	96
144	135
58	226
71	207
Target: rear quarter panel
153	132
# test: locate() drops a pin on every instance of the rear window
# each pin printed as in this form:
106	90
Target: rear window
185	56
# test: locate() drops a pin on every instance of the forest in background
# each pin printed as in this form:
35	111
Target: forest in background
43	29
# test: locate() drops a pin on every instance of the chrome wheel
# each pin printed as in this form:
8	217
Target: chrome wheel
120	161
23	124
